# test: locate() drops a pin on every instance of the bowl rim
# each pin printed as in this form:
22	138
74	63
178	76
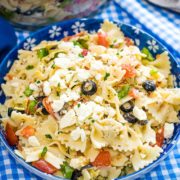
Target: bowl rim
41	174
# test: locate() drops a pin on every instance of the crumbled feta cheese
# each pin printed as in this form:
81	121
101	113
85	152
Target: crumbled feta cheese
98	77
139	113
46	88
111	111
63	62
72	95
84	111
82	74
97	65
57	105
98	99
33	87
33	141
68	119
78	133
54	160
168	130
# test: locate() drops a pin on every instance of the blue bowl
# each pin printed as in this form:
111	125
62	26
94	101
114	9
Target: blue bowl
58	31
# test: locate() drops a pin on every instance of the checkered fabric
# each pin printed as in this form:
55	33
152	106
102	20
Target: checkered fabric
164	26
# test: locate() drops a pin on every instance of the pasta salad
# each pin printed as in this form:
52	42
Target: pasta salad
89	106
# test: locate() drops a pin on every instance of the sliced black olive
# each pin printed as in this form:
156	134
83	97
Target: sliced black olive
10	110
76	174
127	107
88	87
130	118
43	109
149	85
142	122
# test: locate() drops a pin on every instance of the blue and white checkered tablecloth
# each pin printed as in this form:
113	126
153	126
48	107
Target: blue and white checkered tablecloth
164	26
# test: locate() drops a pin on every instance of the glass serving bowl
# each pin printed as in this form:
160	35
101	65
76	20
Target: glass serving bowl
32	14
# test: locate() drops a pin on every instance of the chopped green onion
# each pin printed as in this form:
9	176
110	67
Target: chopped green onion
106	76
29	67
67	170
153	72
81	43
44	151
28	92
48	136
148	54
80	55
31	106
79	105
124	91
42	53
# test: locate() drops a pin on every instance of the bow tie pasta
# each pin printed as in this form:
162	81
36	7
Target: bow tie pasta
90	106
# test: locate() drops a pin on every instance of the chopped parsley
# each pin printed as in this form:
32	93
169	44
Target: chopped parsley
44	151
78	105
48	136
28	92
124	91
29	67
106	76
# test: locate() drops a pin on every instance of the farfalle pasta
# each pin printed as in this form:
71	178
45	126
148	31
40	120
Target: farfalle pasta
90	106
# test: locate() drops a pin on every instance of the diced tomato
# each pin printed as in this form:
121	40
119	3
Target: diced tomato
133	93
102	39
130	70
28	131
102	159
67	38
9	76
160	137
44	166
84	52
48	107
128	41
10	135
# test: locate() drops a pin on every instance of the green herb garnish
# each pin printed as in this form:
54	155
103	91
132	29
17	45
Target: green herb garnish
48	136
67	170
148	54
78	105
42	53
44	151
28	92
106	76
29	67
124	91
